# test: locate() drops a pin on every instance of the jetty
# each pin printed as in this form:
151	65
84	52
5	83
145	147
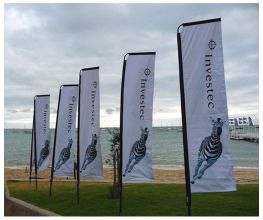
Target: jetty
244	137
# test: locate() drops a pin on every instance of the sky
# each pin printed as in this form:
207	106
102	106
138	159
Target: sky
45	46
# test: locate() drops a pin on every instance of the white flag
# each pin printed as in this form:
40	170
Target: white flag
231	121
41	131
89	124
65	131
210	157
243	121
137	105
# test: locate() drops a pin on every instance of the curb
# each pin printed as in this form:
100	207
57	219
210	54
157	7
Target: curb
17	207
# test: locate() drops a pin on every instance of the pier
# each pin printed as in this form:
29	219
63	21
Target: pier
244	137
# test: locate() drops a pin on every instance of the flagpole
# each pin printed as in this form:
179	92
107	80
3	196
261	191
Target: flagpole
121	131
78	161
35	147
31	154
54	146
52	169
185	143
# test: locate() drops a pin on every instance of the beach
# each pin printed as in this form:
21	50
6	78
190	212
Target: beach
162	175
245	156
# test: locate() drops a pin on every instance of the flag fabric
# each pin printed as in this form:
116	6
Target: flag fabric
243	121
207	126
63	152
41	132
136	117
89	125
232	122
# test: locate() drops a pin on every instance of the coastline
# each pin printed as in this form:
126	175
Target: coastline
162	174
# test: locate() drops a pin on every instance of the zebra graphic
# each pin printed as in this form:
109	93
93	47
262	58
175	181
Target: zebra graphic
43	153
91	153
210	150
64	155
137	152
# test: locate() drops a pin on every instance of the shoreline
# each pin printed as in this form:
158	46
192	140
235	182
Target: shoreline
155	166
162	174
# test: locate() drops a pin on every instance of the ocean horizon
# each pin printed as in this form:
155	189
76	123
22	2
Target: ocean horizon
167	148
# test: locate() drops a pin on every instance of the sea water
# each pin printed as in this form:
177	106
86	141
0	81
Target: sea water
167	148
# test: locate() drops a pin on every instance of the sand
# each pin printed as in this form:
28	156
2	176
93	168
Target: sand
243	176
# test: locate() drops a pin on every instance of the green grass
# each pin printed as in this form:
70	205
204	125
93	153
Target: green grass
138	199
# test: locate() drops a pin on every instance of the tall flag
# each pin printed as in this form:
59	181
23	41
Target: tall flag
90	159
40	145
232	122
204	107
136	117
42	131
241	121
63	153
244	121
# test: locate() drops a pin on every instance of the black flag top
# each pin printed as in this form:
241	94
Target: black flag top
206	114
136	117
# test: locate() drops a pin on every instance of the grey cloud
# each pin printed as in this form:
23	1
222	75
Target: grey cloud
53	110
12	110
109	111
26	110
68	37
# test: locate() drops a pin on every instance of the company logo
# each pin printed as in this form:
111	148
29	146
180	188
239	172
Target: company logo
73	98
94	84
212	44
147	72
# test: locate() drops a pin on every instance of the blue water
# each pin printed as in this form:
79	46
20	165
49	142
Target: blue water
167	147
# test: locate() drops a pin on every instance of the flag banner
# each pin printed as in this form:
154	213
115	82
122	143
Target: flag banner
244	121
41	131
241	121
89	125
136	117
233	122
65	131
207	126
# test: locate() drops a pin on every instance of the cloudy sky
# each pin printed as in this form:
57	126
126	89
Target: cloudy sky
47	44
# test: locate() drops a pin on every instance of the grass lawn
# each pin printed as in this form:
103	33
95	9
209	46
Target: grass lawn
138	199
